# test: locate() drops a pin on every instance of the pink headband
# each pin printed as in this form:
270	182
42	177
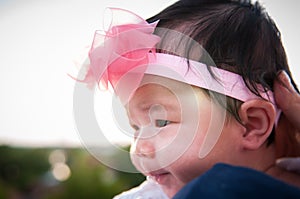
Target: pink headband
129	48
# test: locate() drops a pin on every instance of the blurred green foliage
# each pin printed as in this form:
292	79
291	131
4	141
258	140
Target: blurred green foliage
27	173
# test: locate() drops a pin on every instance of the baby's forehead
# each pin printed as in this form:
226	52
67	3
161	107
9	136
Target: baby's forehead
150	78
155	90
159	83
155	86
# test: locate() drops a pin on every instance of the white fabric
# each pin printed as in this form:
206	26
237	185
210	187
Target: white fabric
149	189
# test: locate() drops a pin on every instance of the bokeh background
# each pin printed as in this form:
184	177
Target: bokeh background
41	42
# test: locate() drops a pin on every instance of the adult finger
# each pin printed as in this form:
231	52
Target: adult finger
287	99
290	164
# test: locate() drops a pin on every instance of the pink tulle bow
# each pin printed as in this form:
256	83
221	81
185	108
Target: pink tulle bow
120	49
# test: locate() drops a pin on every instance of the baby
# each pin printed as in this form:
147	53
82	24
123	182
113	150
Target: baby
196	81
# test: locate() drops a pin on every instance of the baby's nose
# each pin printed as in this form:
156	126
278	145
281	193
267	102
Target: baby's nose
144	147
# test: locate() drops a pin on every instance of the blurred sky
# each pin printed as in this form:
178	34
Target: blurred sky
40	43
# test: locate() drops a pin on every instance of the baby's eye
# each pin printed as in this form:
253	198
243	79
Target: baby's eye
162	123
136	131
135	127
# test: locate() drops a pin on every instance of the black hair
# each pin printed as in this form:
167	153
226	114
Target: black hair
239	36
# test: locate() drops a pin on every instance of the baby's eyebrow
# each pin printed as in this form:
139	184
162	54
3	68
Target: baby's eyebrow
148	106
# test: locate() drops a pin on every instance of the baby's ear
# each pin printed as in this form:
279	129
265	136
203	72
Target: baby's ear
258	117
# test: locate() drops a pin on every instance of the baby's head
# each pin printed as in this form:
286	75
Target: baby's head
239	37
171	121
184	126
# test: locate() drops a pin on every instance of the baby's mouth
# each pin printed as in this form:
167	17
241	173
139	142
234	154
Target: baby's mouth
160	176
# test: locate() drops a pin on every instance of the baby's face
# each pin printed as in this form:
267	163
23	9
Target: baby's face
170	123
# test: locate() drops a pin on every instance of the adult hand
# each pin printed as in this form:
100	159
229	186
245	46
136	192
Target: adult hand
288	100
290	164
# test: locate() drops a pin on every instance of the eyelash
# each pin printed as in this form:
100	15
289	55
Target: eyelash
158	123
135	127
162	123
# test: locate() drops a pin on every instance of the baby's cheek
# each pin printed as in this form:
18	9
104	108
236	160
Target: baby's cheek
189	173
135	158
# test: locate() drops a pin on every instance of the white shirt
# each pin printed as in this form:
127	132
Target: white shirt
149	189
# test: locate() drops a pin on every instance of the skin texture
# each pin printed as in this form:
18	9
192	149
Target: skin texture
150	151
288	100
160	149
